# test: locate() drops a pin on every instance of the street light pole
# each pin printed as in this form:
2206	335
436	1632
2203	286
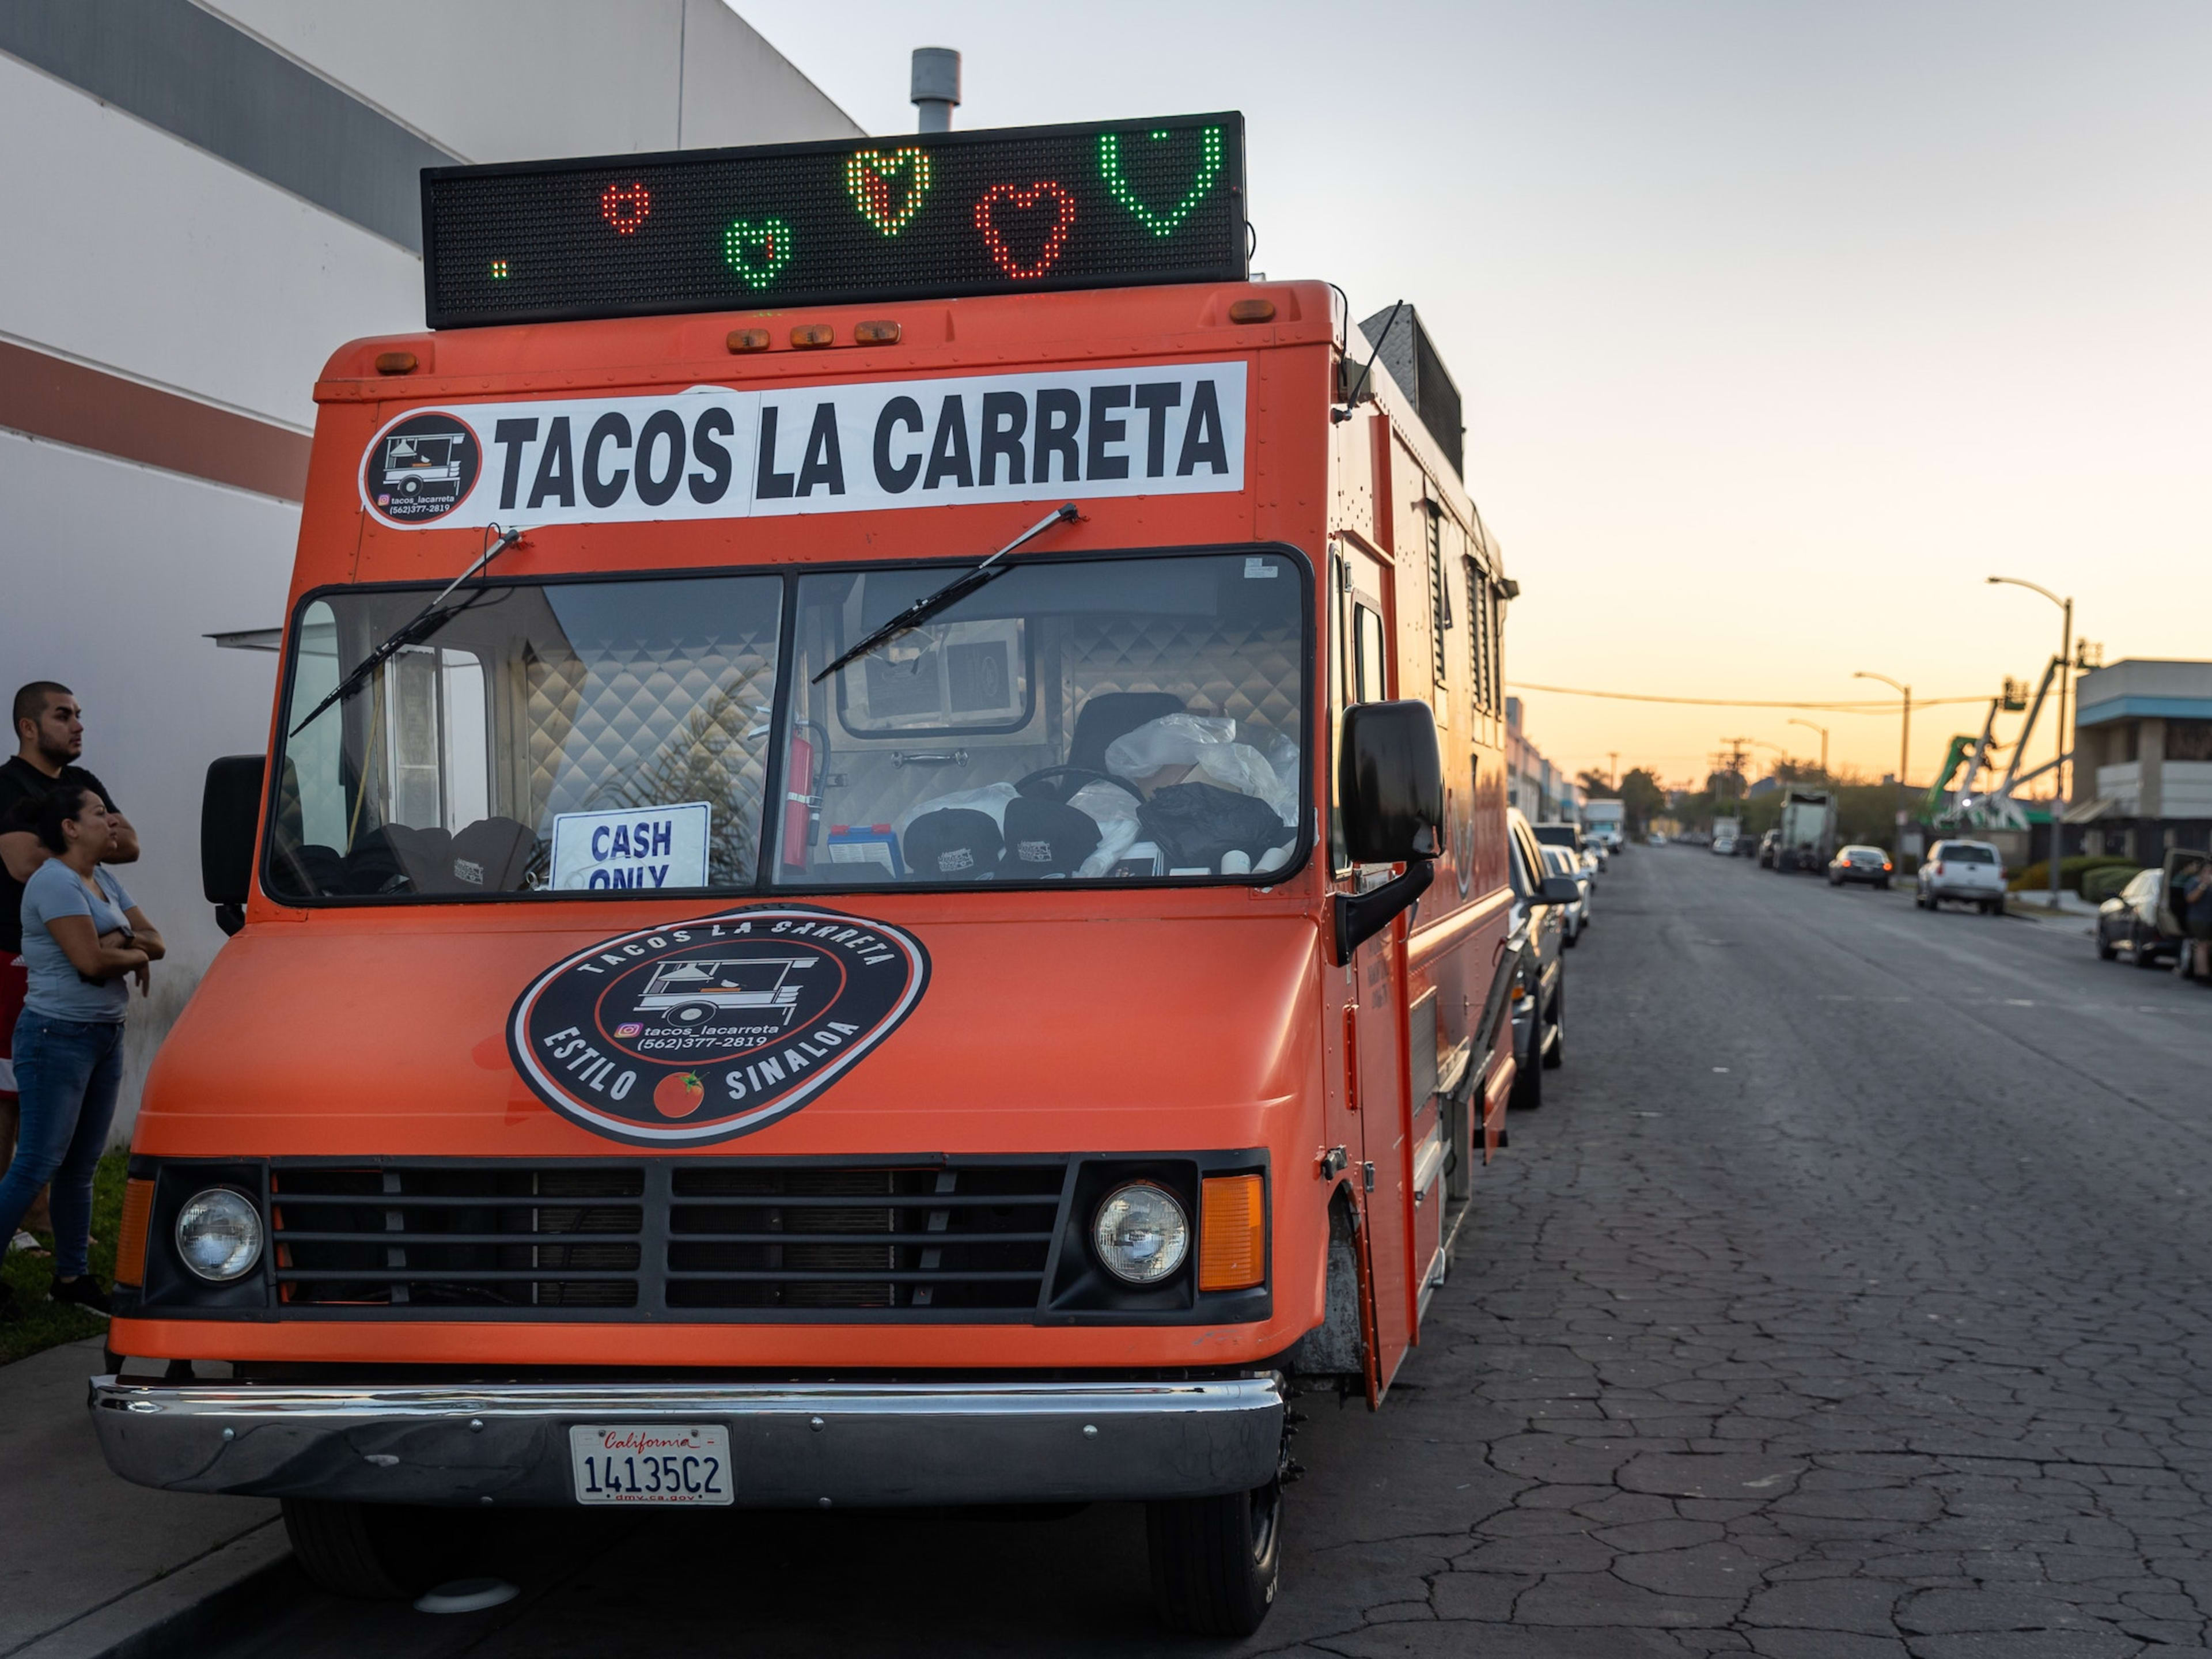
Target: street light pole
1823	731
2065	678
1904	739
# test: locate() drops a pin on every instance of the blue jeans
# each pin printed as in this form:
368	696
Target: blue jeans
67	1073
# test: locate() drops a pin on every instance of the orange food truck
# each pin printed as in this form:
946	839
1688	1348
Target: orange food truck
881	876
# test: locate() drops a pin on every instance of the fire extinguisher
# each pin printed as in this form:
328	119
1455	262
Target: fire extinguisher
802	793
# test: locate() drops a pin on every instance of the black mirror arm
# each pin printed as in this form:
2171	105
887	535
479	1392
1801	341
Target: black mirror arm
1360	916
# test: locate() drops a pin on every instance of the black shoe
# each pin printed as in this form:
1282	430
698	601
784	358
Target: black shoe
82	1291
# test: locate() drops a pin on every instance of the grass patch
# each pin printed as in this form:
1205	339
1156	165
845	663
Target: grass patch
44	1323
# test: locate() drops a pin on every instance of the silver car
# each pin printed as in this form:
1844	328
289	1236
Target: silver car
1559	861
1962	872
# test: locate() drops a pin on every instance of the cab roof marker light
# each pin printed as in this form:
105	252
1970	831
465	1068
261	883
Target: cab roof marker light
811	336
877	333
1252	311
397	362
747	339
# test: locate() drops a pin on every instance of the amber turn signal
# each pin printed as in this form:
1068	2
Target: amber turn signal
807	336
877	333
747	339
1252	311
1232	1233
130	1246
396	362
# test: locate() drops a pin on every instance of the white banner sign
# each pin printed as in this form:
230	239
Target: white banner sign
709	452
649	848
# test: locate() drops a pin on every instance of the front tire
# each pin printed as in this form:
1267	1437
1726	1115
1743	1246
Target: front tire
1216	1561
2144	958
367	1551
1556	1055
2105	949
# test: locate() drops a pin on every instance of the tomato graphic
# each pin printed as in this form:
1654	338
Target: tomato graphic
678	1095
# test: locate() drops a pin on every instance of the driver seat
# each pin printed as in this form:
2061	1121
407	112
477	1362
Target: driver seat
1112	714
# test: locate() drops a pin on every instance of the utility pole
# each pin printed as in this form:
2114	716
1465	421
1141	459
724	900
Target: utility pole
2065	747
1612	769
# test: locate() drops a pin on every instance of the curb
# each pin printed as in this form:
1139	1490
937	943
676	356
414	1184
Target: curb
175	1612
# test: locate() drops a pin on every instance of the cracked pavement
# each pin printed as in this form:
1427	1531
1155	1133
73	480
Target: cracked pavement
1844	1302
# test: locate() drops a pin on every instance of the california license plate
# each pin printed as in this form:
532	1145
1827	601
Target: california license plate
655	1463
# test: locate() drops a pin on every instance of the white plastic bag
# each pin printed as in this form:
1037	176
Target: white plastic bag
1170	740
1240	767
1114	810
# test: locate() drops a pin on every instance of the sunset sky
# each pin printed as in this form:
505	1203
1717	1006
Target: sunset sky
1780	326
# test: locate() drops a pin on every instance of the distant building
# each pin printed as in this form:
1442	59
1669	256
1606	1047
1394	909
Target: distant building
2143	765
1763	788
1540	789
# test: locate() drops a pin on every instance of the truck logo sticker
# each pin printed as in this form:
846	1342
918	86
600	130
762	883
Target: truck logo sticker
712	453
421	468
708	1030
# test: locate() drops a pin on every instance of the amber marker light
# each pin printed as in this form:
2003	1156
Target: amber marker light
812	336
747	339
877	333
130	1246
1232	1233
1252	311
396	362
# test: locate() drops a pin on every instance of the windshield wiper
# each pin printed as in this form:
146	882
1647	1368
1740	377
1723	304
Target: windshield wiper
426	623
950	594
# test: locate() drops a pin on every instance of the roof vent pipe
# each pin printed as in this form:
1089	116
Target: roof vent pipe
936	86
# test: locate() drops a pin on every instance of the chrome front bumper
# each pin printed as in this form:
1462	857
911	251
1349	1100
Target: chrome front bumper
792	1446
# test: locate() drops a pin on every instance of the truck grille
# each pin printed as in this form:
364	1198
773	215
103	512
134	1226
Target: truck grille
444	1236
690	1239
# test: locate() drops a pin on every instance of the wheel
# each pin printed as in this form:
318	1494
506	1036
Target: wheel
1216	1561
691	1013
2105	949
1883	883
408	486
370	1552
1528	1094
1556	1055
1569	938
2144	958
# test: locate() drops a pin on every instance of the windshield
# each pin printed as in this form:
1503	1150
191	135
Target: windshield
592	736
1100	719
1104	719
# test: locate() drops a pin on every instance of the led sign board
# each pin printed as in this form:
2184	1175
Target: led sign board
1018	209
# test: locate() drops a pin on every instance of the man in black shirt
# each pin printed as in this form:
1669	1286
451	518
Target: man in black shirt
49	738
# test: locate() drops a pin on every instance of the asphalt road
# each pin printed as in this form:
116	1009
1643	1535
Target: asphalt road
1846	1297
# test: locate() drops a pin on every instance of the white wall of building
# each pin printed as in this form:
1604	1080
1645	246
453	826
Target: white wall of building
135	254
566	77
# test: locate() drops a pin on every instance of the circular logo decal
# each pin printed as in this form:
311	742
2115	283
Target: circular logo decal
421	468
708	1030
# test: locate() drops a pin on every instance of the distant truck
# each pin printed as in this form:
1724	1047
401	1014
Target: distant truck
1606	821
1726	833
1806	837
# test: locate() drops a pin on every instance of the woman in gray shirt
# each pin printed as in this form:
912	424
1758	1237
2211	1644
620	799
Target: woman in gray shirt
83	940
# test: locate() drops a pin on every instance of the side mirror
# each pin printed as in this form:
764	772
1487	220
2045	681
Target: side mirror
1390	787
230	814
1559	889
1390	783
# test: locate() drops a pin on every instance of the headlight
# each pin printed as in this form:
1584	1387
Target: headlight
219	1235
1141	1234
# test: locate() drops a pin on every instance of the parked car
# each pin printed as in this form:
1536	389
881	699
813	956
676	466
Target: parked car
1962	872
2129	921
1723	847
1656	838
1859	863
1560	862
1767	843
1539	1002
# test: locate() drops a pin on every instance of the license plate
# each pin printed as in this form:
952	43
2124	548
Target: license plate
655	1463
